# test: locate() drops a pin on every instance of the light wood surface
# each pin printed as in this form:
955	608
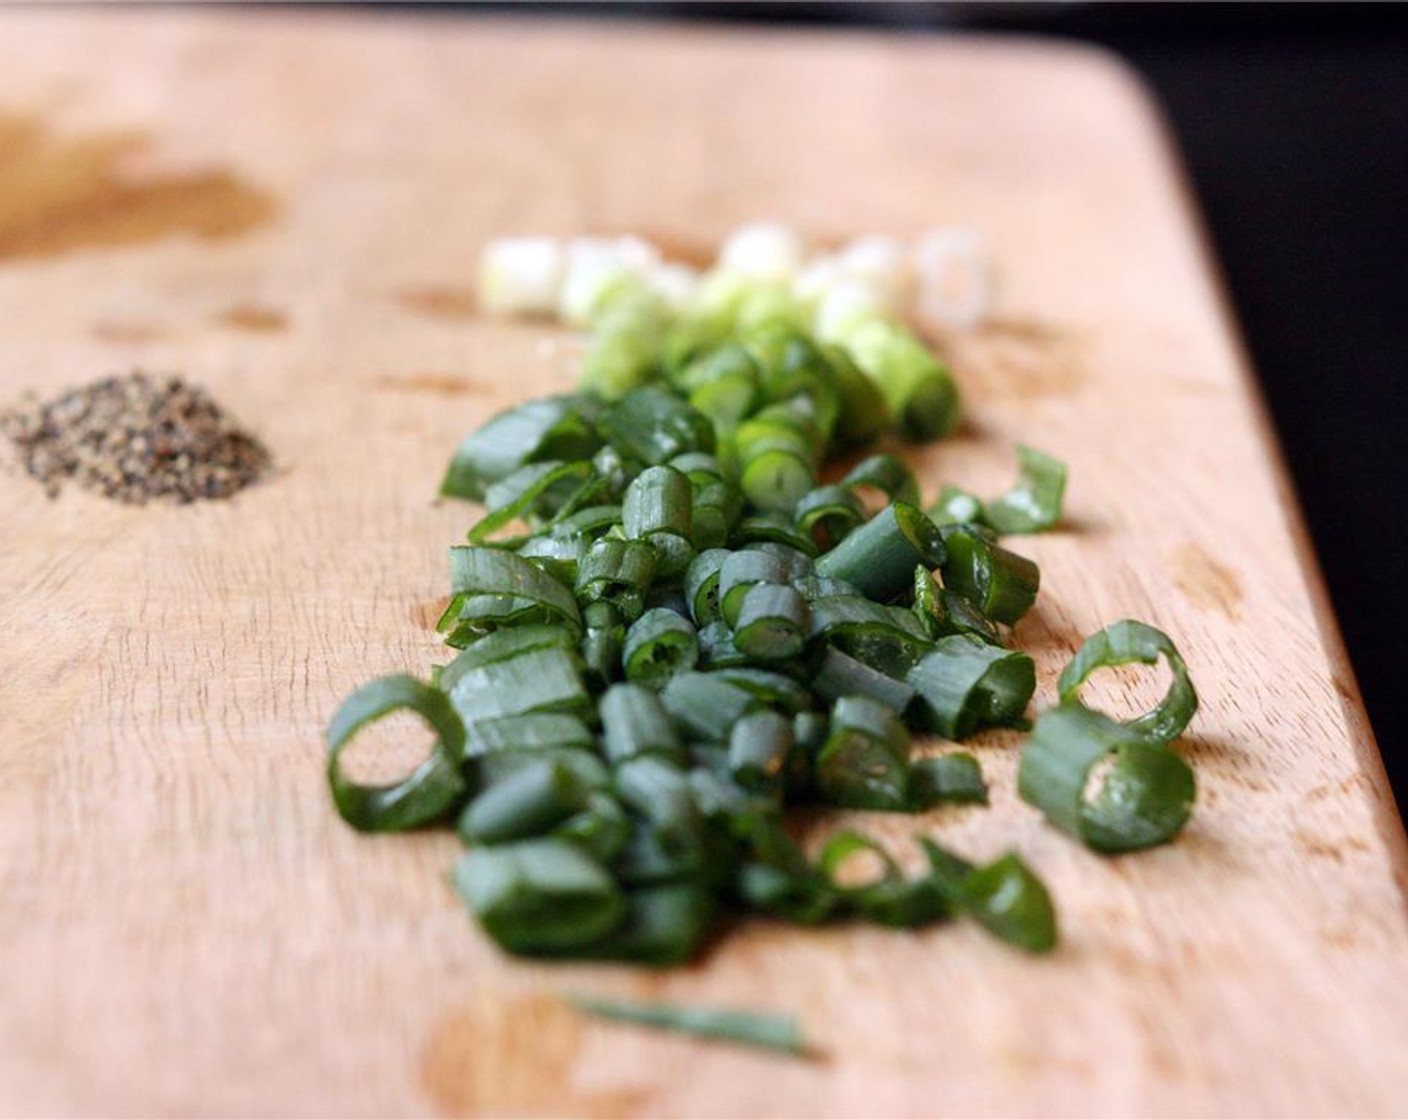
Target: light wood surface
287	209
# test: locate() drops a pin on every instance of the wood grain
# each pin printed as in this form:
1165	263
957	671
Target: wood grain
188	929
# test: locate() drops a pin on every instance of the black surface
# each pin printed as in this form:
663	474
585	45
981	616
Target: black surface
1293	120
1294	124
1297	140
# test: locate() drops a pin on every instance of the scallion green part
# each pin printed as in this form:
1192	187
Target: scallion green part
664	925
960	616
880	556
956	506
966	685
947	779
828	513
743	570
886	473
772	687
554	428
509	585
758	748
531	731
706	706
537	489
1144	798
431	791
602	828
528	802
540	897
862	414
1127	642
634	722
1005	896
1001	584
659	507
864	763
585	764
840	674
651	425
701	585
1033	505
603	643
503	645
618	572
701	593
772	623
537	680
770	527
658	645
659	791
887	638
746	1028
917	387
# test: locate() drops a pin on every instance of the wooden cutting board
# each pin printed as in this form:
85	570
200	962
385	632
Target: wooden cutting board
287	208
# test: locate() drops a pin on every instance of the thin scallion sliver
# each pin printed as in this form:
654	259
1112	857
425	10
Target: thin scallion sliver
760	1030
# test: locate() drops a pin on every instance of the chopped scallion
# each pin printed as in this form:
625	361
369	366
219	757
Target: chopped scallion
747	1028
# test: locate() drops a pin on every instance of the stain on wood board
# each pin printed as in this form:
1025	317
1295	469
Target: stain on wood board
427	613
439	302
129	332
677	248
1208	584
63	192
1339	937
253	317
516	1056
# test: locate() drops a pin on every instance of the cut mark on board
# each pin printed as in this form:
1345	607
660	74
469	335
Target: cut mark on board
70	192
1010	357
430	381
1325	848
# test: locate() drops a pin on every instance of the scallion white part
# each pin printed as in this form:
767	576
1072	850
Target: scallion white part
764	249
956	279
520	275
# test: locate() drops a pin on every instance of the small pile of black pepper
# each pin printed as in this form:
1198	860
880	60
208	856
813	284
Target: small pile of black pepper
136	439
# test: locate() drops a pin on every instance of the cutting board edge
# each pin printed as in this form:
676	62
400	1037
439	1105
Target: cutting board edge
1388	816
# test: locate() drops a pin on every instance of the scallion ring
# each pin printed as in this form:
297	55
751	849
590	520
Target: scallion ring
1125	642
431	790
1145	798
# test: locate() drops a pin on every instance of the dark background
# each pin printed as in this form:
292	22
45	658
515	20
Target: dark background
1293	122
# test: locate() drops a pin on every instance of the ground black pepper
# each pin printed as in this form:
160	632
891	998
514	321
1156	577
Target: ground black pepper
136	439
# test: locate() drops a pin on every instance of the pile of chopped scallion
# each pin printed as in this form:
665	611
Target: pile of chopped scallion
681	614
